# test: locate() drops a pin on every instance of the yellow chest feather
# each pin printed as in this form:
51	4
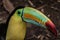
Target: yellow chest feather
16	29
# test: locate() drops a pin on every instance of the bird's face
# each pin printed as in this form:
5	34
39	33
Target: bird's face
36	17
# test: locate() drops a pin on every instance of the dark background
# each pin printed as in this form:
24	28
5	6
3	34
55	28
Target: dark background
51	8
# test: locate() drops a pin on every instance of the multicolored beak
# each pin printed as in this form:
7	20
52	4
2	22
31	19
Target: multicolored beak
36	17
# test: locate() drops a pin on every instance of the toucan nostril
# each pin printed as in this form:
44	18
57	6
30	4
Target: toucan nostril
51	27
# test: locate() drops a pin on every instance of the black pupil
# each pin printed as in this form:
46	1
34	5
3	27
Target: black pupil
18	12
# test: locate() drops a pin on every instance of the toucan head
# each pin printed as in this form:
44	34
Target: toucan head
36	17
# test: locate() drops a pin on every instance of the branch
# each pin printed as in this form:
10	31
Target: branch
8	5
31	3
42	6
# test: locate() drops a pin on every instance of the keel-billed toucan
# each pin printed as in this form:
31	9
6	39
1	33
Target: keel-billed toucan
17	22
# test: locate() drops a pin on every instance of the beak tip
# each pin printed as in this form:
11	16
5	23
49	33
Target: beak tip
51	27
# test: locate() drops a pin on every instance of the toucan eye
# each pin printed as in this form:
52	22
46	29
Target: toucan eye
18	12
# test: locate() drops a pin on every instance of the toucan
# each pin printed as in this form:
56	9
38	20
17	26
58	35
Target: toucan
16	23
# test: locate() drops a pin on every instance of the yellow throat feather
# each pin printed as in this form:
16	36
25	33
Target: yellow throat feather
16	28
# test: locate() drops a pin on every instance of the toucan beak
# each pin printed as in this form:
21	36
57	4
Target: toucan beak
36	17
49	24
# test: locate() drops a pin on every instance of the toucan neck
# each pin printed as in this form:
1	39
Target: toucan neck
16	28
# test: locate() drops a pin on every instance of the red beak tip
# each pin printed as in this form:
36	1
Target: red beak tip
56	34
51	27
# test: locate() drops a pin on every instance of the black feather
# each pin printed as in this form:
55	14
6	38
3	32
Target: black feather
3	30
